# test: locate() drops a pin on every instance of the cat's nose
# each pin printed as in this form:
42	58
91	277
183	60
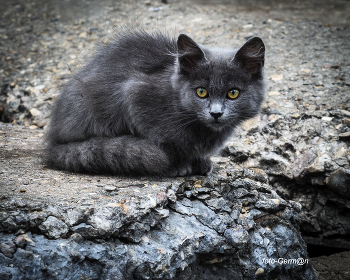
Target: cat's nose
216	115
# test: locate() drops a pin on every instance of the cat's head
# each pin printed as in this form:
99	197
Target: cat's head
221	87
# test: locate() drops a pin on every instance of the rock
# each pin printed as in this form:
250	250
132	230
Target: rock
273	111
256	174
335	266
275	164
153	226
237	151
6	274
77	237
344	136
296	205
346	113
110	188
237	237
327	119
318	165
20	241
259	271
39	87
85	231
8	249
251	124
72	217
276	77
269	204
274	93
340	152
76	256
53	227
300	165
347	122
339	182
9	225
40	123
34	112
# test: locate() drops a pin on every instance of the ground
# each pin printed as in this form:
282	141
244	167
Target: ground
301	138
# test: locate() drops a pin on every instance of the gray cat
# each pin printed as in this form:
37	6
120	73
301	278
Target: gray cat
148	104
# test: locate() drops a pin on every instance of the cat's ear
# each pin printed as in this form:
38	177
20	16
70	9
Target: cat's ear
190	54
251	55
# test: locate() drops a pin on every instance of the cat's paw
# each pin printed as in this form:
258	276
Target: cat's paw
184	170
202	166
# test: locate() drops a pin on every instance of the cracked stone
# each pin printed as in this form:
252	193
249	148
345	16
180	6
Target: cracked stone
8	249
339	181
53	227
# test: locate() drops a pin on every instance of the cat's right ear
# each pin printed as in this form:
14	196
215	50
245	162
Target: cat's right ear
190	54
251	55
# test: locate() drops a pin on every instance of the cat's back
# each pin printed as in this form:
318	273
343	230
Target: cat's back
94	102
137	50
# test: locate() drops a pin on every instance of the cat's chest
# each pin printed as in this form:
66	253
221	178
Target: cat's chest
205	142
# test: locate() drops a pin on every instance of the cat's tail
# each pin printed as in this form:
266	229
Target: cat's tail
121	155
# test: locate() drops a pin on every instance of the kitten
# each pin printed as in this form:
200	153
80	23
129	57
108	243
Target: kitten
148	104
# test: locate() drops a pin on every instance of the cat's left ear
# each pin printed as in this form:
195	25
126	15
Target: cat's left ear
251	55
190	54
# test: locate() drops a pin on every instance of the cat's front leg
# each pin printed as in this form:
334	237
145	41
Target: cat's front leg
180	170
202	166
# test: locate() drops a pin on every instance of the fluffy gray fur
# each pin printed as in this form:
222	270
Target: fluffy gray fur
133	109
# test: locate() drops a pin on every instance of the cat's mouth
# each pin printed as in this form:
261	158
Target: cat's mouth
215	124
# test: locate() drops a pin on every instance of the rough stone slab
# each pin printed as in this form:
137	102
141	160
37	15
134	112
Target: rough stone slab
332	267
69	226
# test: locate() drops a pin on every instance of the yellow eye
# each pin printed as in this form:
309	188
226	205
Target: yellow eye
232	94
202	92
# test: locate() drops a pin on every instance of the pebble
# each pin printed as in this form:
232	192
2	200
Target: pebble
40	123
276	201
340	152
248	26
110	188
327	119
346	113
39	87
274	93
344	135
347	122
20	241
34	112
318	165
276	77
77	237
251	124
259	271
